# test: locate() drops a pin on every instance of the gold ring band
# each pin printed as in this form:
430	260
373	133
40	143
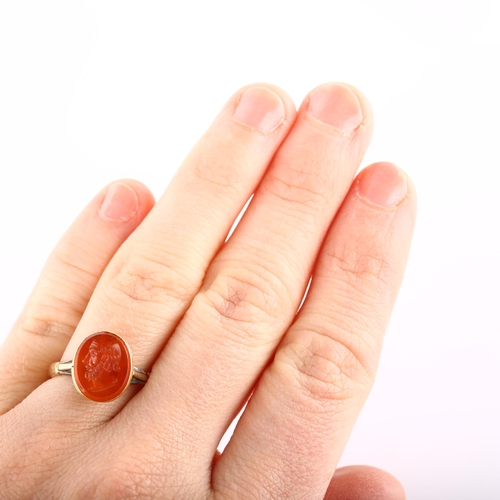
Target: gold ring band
64	368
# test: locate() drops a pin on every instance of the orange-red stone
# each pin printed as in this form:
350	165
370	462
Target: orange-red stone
102	367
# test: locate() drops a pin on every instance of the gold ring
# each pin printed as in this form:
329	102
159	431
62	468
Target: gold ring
102	368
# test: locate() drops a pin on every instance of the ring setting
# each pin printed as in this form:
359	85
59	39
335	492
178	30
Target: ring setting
102	367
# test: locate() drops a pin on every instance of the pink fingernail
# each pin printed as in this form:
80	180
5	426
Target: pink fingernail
337	106
260	108
383	184
120	203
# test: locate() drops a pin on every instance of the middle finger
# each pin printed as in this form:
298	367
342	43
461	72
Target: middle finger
254	286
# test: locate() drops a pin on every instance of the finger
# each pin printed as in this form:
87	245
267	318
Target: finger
362	482
153	278
306	403
254	286
67	281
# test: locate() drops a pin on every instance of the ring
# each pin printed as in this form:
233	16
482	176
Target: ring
102	368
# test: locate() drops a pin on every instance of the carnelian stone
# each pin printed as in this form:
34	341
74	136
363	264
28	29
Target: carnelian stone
102	367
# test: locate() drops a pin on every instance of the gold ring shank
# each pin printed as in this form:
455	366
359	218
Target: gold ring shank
64	368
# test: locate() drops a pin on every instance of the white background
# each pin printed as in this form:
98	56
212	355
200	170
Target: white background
97	90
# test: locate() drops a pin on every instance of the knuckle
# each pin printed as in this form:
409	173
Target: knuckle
48	316
40	325
217	171
116	484
362	269
267	486
304	187
49	312
116	480
76	263
142	280
147	475
248	298
323	367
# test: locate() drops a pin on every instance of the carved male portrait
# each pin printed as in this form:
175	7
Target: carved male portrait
102	363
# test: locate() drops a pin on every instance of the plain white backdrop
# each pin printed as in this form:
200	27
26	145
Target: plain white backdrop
98	90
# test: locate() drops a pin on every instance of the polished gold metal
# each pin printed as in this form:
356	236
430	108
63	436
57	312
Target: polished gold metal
66	367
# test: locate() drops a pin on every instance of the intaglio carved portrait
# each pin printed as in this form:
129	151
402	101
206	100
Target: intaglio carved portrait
102	363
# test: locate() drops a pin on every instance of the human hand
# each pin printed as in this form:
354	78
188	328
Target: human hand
215	321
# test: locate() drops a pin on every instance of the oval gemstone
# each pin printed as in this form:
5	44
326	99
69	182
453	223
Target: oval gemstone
102	368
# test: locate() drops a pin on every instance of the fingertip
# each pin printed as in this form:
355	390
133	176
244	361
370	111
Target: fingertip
383	184
364	103
124	200
262	106
145	197
363	482
365	125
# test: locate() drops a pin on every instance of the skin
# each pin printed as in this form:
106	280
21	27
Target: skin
216	321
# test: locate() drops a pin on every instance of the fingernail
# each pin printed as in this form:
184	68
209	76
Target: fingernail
260	108
120	203
383	184
337	106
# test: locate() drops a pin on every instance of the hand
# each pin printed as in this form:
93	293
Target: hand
216	321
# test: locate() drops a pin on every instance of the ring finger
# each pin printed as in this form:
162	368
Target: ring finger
63	291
